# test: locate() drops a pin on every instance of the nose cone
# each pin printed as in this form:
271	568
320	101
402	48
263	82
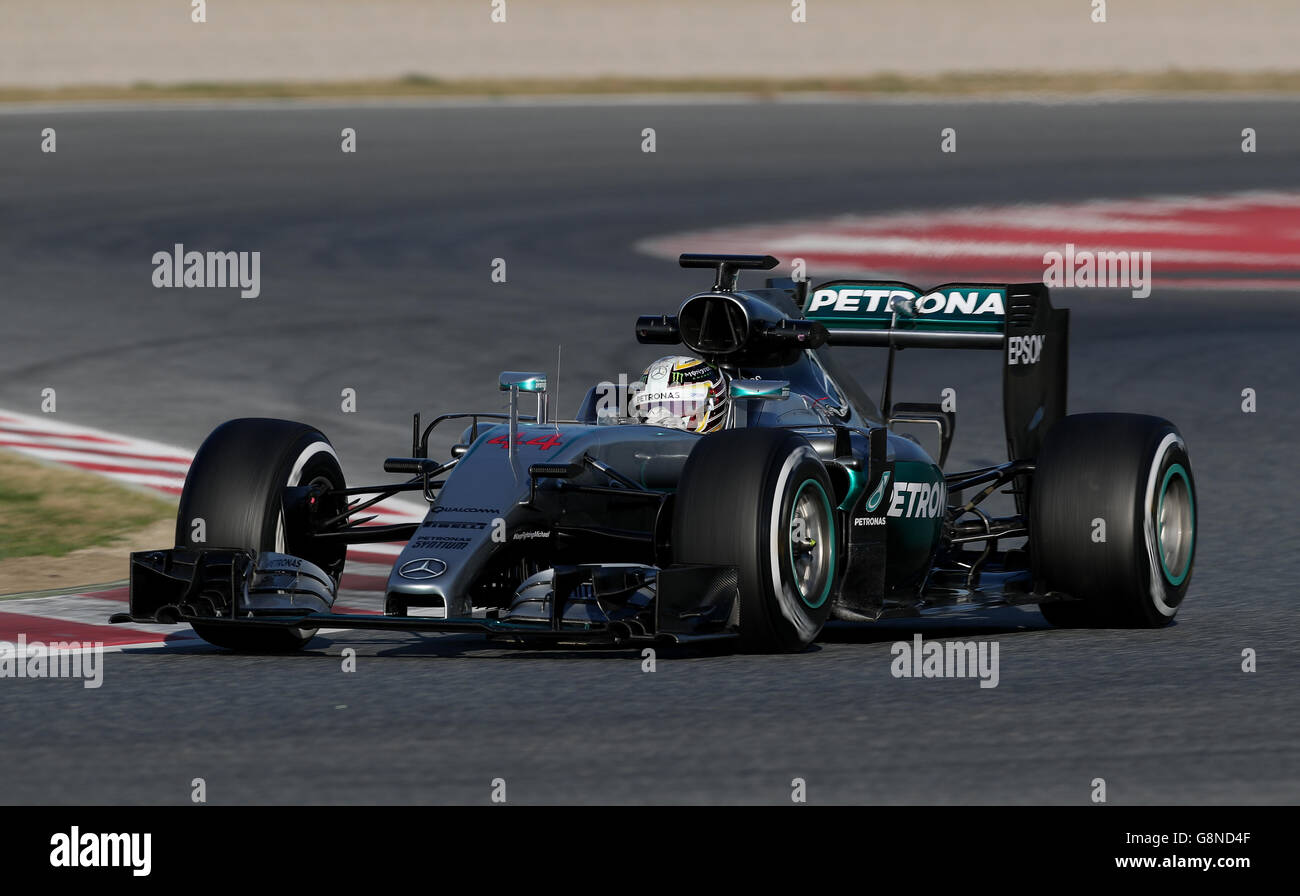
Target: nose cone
440	563
482	500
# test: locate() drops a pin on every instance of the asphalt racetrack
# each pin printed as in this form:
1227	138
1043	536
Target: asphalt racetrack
376	277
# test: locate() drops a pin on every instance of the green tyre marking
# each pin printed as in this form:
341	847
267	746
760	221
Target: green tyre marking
830	522
1177	469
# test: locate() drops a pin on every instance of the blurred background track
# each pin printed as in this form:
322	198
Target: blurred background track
63	42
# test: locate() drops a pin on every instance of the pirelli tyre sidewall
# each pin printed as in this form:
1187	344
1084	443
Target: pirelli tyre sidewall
761	500
1113	520
235	486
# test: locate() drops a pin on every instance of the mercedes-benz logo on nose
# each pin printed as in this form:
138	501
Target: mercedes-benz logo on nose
423	568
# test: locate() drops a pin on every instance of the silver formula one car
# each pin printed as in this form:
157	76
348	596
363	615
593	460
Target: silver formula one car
750	492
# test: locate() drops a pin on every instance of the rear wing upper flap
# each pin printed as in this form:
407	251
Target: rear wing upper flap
954	315
1018	319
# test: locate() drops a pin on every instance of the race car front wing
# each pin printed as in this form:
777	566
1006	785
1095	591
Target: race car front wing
585	603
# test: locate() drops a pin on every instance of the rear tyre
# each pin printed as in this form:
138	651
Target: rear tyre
1113	518
761	500
235	485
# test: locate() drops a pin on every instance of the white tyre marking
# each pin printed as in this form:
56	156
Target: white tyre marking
295	475
778	532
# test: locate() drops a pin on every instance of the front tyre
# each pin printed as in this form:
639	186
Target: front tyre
761	500
1113	518
235	486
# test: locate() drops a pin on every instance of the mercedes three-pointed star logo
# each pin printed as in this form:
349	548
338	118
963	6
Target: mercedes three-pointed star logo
423	568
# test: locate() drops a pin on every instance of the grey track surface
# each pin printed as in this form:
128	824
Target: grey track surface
376	277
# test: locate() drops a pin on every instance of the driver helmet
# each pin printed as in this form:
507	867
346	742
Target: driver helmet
683	393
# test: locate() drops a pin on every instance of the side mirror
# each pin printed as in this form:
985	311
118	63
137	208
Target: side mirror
524	382
514	382
761	390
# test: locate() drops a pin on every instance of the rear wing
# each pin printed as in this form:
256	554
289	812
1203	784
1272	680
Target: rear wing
1017	319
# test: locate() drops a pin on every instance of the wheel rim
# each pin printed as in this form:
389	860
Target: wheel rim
1175	524
812	543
